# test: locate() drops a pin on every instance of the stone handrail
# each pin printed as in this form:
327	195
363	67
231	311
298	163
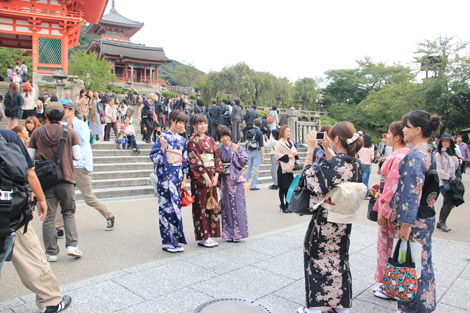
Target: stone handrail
300	112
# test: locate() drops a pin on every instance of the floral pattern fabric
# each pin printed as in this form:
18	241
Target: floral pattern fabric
206	222
170	177
233	204
405	203
326	246
389	170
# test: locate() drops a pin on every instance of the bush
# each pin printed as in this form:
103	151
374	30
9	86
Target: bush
167	94
192	97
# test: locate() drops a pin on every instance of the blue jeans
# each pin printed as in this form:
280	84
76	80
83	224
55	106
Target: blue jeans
365	176
8	247
254	161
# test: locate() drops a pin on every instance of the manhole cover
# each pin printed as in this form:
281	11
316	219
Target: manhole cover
231	305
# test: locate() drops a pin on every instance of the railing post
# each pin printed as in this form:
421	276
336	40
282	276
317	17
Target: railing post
291	121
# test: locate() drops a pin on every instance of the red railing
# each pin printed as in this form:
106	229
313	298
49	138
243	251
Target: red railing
40	11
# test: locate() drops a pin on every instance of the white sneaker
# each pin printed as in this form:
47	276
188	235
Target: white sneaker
73	251
51	258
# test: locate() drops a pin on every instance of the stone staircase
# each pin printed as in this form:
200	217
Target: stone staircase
122	173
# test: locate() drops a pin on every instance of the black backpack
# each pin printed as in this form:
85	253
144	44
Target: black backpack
251	141
16	209
12	105
430	193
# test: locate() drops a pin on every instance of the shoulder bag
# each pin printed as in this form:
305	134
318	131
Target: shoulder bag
401	279
300	200
49	172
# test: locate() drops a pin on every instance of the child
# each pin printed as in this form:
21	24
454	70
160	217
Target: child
122	138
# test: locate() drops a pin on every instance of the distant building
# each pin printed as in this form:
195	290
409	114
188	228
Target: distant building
133	63
46	28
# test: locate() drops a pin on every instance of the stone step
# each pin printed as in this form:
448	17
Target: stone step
106	167
118	152
112	174
117	181
122	159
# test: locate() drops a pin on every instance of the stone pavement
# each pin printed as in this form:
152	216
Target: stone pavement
267	268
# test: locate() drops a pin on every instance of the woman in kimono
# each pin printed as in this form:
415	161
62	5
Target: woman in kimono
233	204
326	245
170	160
415	223
390	174
94	116
205	165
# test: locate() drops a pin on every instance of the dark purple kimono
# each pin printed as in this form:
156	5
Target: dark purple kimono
233	205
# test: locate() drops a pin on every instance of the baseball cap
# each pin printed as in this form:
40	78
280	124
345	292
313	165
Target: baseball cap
54	106
71	105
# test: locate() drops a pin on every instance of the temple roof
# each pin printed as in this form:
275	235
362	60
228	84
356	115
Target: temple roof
114	17
128	51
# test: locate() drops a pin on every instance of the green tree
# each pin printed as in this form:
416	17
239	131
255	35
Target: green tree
95	73
186	75
307	92
447	91
11	57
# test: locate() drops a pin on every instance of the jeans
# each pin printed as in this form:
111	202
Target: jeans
365	176
274	165
8	248
254	161
132	142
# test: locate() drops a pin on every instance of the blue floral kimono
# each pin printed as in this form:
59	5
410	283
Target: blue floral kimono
170	167
405	202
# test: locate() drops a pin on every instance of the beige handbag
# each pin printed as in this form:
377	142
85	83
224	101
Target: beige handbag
212	204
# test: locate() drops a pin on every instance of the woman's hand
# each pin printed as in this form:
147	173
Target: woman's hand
183	183
215	180
374	188
163	143
312	141
325	142
405	231
291	155
207	180
382	220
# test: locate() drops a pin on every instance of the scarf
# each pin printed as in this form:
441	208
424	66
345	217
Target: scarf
451	163
281	150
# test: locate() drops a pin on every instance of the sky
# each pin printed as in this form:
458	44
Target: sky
294	38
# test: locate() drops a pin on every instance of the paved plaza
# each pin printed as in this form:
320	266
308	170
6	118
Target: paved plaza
126	271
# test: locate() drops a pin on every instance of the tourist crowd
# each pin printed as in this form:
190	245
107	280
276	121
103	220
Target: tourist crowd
184	140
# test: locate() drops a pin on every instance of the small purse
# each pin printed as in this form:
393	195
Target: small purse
212	204
298	165
300	200
401	279
186	198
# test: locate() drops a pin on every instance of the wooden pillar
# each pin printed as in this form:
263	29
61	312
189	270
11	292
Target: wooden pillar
132	74
35	45
65	54
156	72
145	74
114	67
151	76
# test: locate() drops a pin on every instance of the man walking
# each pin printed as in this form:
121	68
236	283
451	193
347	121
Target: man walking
45	145
66	98
84	167
236	117
255	147
465	151
250	117
28	257
214	115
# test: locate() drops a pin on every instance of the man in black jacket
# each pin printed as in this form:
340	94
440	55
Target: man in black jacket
214	115
250	117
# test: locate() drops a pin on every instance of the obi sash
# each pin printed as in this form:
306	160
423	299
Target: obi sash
208	159
174	157
227	168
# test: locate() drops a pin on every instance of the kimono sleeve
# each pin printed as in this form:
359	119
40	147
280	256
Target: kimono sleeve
317	180
408	195
218	166
194	158
240	158
159	159
390	186
185	158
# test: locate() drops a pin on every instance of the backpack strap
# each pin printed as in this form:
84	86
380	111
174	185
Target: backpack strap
62	144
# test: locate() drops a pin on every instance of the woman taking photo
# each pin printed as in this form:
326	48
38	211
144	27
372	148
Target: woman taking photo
326	245
447	163
366	156
233	205
390	174
205	168
286	154
416	222
111	119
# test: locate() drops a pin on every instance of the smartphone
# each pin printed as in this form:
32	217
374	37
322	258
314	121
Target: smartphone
159	132
321	135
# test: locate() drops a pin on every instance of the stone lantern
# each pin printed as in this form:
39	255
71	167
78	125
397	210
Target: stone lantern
60	76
